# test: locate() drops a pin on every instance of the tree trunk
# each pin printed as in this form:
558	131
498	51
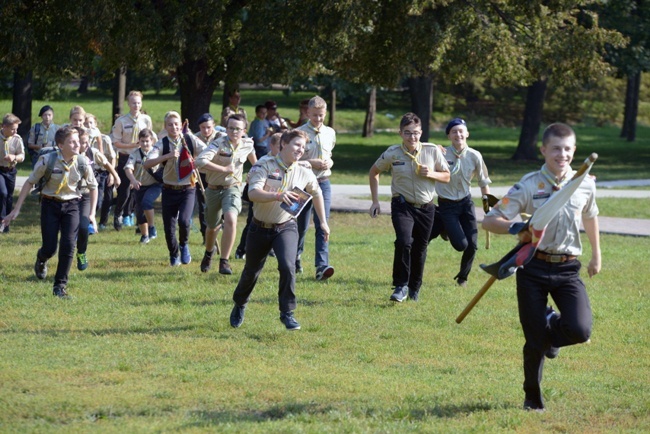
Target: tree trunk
119	93
421	90
369	124
83	85
631	106
196	87
527	147
330	123
22	101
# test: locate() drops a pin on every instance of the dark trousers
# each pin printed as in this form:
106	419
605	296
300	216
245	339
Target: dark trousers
177	206
458	219
84	221
260	241
7	186
535	281
58	217
124	202
104	197
412	229
200	203
244	233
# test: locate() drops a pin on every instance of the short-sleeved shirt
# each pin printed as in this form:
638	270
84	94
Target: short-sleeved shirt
170	172
562	235
97	163
127	128
257	130
206	140
45	136
71	188
471	165
109	150
405	181
10	146
221	152
136	164
229	111
268	175
320	146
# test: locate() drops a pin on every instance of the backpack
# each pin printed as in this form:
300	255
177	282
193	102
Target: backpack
158	174
51	160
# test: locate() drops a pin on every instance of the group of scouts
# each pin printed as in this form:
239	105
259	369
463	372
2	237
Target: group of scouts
177	164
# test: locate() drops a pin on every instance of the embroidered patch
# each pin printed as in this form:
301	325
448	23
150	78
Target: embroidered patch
541	186
541	196
398	163
225	154
514	188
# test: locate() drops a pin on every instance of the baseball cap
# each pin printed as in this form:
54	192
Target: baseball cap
271	105
452	123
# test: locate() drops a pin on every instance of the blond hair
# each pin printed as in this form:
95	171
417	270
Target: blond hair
317	102
10	119
78	110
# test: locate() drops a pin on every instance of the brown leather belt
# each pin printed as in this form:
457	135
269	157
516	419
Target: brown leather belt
177	187
54	198
265	225
555	259
222	187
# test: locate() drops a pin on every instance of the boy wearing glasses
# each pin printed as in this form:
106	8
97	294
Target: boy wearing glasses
416	168
223	162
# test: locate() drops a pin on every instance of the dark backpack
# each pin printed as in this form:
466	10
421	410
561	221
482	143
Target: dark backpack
158	174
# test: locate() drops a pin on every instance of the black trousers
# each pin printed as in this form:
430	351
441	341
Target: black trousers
7	186
458	219
259	242
63	218
412	229
535	282
84	221
104	197
200	204
177	207
124	203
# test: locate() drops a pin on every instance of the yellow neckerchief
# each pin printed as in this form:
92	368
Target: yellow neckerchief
555	183
458	155
5	142
418	148
44	134
67	168
316	138
287	169
136	128
209	138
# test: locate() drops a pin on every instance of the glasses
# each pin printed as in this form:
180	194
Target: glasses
412	133
235	129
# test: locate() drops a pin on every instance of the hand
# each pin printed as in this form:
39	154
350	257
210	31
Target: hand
374	210
229	168
135	185
594	266
10	217
525	236
326	231
424	171
93	222
10	158
116	182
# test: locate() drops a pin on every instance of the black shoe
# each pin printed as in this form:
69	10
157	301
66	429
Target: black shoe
399	294
206	262
552	352
299	268
240	254
530	405
414	295
59	291
117	223
224	266
324	272
461	282
237	315
40	269
289	321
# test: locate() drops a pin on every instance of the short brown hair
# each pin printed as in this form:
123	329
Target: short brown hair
237	117
10	119
63	133
408	119
146	132
290	135
558	130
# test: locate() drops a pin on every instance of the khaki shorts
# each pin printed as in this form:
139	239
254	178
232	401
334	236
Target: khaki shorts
219	202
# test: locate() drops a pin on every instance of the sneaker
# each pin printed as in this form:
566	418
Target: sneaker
289	321
224	266
128	221
102	227
399	294
144	239
414	295
118	223
153	233
299	268
174	261
240	254
82	261
552	351
237	315
206	262
186	258
91	229
40	269
59	291
530	405
324	272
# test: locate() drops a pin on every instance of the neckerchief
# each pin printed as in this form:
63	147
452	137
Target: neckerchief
418	148
316	138
5	143
287	169
136	128
557	185
459	156
67	168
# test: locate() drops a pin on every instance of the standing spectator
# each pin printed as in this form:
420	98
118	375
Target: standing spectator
233	108
13	152
260	131
41	135
274	119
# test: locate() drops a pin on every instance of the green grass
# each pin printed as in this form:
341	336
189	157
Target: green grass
145	348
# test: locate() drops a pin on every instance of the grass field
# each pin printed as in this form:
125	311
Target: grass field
143	347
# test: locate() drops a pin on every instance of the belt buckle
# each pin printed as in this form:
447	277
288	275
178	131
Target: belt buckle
555	259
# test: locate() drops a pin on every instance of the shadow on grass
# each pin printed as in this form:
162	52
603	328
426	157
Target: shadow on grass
101	332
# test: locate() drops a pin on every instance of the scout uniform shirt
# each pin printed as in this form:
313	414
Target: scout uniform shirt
45	136
214	136
222	153
127	128
109	150
463	168
170	171
320	146
10	146
415	189
272	175
562	235
64	183
95	161
135	163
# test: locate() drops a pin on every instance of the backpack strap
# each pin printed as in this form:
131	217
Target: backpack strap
165	149
37	132
190	143
82	165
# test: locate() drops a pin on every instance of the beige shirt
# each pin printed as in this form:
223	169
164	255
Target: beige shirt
126	130
109	150
69	181
222	153
135	163
320	146
268	175
11	146
97	162
170	172
416	189
215	135
229	111
562	235
471	165
45	136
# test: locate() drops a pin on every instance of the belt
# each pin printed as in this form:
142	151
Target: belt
264	225
177	187
223	187
6	169
415	205
442	199
323	179
54	198
554	258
